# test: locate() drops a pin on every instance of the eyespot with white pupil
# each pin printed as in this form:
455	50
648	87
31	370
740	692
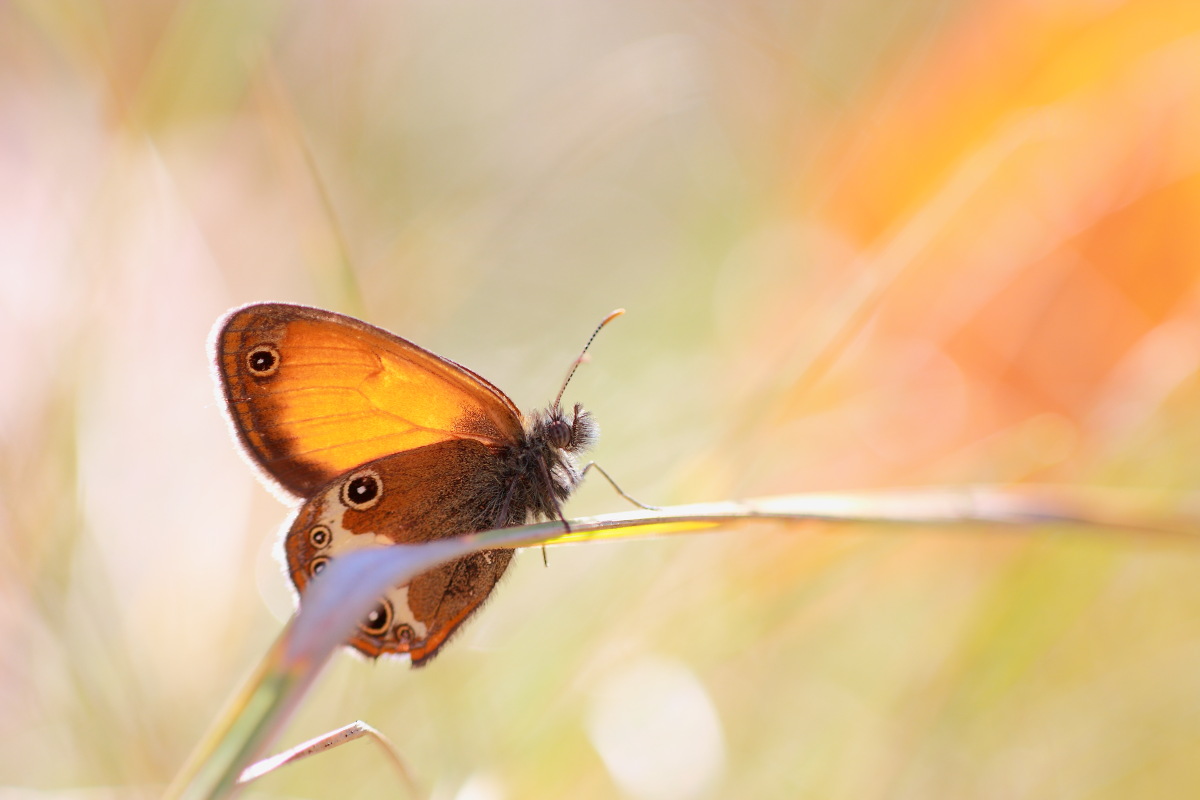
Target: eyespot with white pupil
263	361
317	566
378	619
320	536
558	433
362	490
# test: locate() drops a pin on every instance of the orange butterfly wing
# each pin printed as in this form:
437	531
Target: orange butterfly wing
313	394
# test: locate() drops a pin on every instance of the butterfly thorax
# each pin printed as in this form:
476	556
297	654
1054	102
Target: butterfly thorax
542	470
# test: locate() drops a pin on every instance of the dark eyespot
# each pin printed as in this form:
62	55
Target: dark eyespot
378	620
317	566
263	360
558	433
320	536
362	490
405	635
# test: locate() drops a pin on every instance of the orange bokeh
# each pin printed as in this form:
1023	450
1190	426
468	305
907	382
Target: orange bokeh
1025	197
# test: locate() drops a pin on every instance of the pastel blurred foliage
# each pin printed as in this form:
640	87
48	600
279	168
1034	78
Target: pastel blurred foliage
861	244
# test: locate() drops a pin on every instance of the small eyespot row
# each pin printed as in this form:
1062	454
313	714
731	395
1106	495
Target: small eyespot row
263	361
317	566
362	490
320	536
379	619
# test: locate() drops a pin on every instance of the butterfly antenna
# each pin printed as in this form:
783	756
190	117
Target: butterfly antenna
583	353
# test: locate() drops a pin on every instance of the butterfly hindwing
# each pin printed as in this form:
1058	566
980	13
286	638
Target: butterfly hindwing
441	489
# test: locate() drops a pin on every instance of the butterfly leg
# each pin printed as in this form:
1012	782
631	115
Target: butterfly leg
558	512
319	744
613	484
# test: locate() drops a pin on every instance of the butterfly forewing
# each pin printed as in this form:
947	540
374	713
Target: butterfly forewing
313	394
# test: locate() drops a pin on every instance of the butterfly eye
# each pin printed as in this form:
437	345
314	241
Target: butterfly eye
317	566
379	619
558	433
320	536
362	490
263	360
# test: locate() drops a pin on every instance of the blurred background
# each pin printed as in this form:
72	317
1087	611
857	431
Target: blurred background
861	243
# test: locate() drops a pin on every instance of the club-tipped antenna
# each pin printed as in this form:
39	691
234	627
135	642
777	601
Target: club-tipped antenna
583	353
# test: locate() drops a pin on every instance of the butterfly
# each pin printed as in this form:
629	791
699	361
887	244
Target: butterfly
384	442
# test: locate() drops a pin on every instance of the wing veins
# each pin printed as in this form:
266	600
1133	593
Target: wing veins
484	440
293	420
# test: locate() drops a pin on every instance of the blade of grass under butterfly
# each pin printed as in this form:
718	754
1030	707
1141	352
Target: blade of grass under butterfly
345	593
349	586
1115	510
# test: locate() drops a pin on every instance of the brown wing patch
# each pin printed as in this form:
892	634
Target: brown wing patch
448	596
444	489
313	394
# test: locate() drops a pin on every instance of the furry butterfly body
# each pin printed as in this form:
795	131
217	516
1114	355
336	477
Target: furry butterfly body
384	442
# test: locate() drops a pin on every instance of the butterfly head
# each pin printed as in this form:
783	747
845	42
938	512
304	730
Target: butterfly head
578	433
574	434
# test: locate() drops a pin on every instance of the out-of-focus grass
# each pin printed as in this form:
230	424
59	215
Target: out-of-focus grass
861	244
